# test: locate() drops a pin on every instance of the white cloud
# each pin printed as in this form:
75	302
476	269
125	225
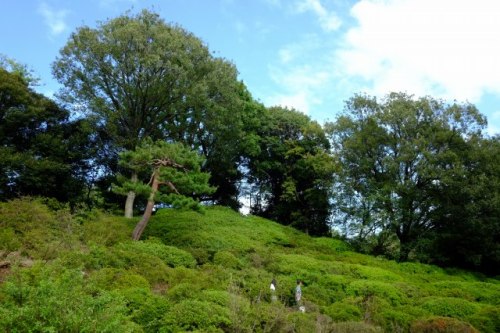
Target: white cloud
446	48
298	101
301	83
54	19
328	20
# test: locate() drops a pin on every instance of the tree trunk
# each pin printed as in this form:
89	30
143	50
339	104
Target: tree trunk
139	228
129	202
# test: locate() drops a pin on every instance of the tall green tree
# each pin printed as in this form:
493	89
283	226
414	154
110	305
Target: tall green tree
396	155
42	151
175	176
139	77
467	226
291	172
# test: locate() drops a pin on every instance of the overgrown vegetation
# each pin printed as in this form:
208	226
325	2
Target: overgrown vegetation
402	176
210	272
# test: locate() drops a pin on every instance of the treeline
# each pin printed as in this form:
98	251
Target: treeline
404	177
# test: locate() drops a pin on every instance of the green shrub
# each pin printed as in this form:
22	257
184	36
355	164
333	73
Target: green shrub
53	299
191	315
376	273
201	255
487	319
471	291
368	288
342	311
393	320
321	294
132	258
145	308
9	241
220	297
171	255
183	291
441	325
227	259
450	307
114	278
107	230
40	232
329	245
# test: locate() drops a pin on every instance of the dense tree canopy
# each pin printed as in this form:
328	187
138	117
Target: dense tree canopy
42	152
467	218
398	156
292	174
142	78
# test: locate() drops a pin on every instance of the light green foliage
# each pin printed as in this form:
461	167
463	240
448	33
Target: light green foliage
9	240
450	307
226	259
471	291
324	244
343	311
53	299
107	230
172	256
367	288
487	319
105	282
189	315
47	233
145	308
113	278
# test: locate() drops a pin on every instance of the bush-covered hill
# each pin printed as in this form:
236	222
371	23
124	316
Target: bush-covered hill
211	273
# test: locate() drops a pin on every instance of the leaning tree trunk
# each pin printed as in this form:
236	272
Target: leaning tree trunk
139	228
129	203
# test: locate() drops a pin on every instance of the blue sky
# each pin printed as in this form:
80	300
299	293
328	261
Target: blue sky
308	54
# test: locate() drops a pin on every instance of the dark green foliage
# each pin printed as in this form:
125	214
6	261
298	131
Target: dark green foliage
410	168
42	151
292	173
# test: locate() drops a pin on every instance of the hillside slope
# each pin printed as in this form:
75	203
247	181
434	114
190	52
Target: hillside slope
211	273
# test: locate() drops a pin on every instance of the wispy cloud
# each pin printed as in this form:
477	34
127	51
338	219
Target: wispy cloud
443	48
301	80
55	19
328	20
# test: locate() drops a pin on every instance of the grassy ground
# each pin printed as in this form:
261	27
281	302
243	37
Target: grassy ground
211	273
